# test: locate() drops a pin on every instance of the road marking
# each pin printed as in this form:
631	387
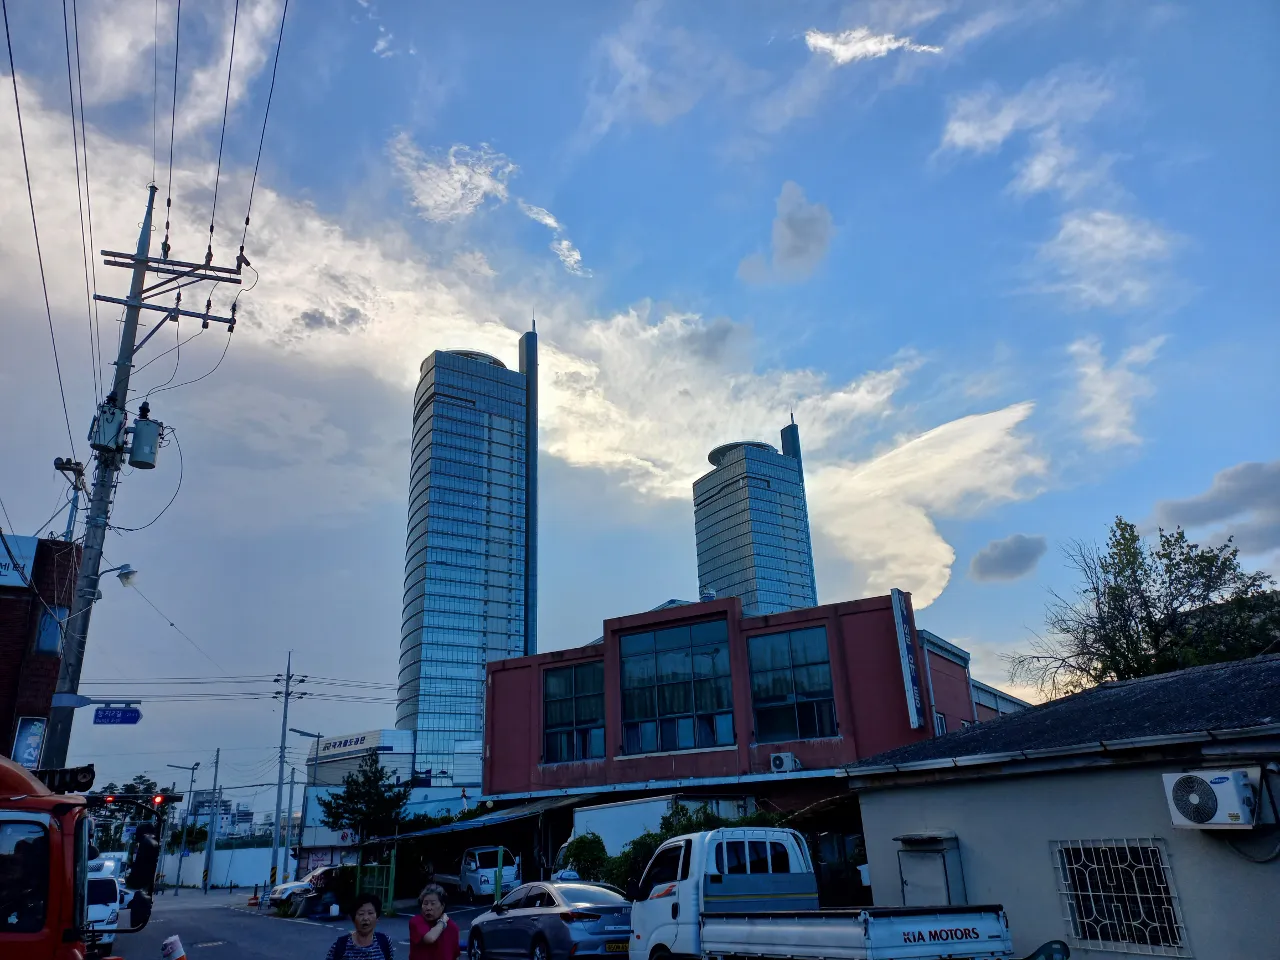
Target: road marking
211	943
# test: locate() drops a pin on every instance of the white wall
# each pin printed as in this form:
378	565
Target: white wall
1006	826
243	867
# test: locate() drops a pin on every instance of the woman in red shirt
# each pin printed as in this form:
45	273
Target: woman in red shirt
432	935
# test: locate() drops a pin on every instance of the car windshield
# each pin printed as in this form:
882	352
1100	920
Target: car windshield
102	891
24	876
489	858
581	894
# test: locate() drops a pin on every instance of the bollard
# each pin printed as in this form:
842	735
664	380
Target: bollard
171	949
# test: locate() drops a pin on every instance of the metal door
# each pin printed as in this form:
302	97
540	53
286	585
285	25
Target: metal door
924	878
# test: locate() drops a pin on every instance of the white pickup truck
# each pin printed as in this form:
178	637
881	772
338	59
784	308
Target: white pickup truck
751	892
477	876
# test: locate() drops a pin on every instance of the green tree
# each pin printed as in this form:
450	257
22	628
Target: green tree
197	836
1144	608
587	855
369	803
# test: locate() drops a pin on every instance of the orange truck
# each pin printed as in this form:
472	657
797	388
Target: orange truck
46	845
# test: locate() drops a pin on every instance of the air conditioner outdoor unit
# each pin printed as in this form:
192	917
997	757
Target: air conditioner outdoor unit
1211	799
783	762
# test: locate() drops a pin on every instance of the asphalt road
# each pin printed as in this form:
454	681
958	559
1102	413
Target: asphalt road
220	927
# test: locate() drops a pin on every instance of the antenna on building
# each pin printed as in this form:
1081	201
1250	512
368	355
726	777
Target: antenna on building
534	316
793	414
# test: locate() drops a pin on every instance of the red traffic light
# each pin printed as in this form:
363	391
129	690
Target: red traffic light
158	799
109	798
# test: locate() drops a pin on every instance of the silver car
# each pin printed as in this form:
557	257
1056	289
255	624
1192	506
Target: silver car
548	921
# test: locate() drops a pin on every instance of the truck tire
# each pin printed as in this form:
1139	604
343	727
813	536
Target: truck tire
469	896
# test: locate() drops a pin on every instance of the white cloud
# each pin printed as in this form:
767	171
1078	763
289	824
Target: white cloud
539	215
981	122
562	247
452	187
203	92
570	256
1107	394
861	44
639	396
382	46
880	514
1104	259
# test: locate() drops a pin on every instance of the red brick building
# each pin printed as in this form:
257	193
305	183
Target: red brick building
30	634
698	695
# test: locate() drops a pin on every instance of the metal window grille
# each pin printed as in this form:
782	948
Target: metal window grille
1119	894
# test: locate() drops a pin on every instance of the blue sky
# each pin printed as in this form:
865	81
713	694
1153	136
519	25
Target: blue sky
1012	263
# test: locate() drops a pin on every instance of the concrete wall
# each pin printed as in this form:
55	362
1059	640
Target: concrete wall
1005	828
866	671
243	867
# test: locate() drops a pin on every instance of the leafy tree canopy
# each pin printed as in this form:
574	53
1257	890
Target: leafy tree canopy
1144	607
369	802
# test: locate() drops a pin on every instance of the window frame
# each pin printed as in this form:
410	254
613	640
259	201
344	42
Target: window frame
1118	905
939	724
583	735
805	712
676	691
40	831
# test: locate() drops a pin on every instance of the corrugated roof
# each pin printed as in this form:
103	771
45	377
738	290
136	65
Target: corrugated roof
494	817
1220	696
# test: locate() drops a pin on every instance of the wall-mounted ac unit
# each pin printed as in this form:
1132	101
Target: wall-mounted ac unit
1211	799
783	762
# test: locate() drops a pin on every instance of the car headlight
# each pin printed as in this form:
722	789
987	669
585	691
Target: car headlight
113	916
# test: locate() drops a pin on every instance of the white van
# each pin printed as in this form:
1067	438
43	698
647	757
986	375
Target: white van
106	894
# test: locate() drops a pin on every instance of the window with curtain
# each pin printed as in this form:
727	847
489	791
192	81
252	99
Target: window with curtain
573	713
676	689
791	686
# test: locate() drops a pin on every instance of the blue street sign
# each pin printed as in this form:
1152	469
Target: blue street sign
112	715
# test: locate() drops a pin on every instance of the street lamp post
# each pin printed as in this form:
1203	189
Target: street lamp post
311	776
177	885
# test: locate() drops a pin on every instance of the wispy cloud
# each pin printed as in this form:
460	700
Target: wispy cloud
561	246
800	238
454	186
382	46
1100	258
1106	394
861	44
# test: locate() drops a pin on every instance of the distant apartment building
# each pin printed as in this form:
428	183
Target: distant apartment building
470	591
751	521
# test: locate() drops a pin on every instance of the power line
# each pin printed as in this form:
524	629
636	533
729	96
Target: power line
88	194
173	120
263	136
181	632
188	383
84	245
44	286
226	106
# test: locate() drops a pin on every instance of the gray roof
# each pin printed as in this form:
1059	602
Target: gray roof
1218	697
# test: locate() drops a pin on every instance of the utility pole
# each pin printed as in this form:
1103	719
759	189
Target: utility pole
108	436
182	853
288	827
284	731
215	814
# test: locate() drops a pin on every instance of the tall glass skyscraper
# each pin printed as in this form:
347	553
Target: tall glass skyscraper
752	525
470	584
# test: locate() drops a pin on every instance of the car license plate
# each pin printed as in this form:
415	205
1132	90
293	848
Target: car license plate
619	946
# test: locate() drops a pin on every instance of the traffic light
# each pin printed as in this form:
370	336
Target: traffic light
67	779
144	858
160	799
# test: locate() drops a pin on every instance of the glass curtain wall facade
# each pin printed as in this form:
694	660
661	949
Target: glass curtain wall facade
751	520
470	560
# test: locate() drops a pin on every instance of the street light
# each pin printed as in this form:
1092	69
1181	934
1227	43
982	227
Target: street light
125	574
177	884
311	776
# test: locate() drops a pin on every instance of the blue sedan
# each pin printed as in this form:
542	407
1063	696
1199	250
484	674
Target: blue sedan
549	921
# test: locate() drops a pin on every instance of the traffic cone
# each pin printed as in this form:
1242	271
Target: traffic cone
171	949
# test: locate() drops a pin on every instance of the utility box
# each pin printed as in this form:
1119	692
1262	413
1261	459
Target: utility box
107	428
929	867
146	443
